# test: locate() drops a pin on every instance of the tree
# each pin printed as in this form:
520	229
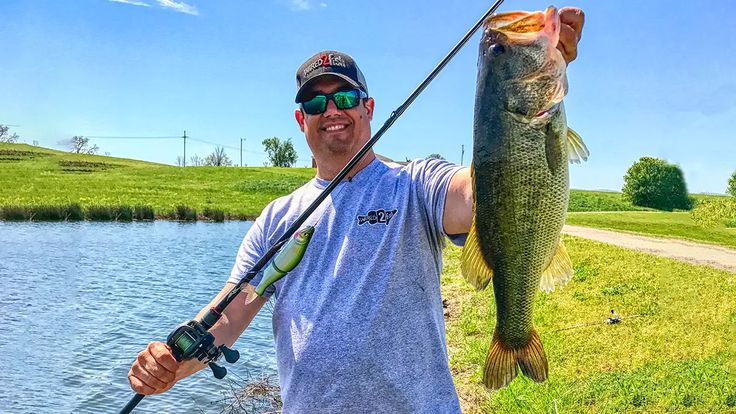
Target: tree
196	161
651	182
435	156
280	153
218	158
179	161
5	135
80	145
732	185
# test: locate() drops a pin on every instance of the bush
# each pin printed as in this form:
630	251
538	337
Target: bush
185	213
110	213
15	213
731	189
712	212
651	182
142	212
214	214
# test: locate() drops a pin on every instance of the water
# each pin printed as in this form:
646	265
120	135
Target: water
80	300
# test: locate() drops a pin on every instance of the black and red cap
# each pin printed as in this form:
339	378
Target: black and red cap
328	62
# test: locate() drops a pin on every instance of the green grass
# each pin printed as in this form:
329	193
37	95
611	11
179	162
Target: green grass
673	352
677	225
33	176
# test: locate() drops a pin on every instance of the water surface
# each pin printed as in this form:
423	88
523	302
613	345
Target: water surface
80	300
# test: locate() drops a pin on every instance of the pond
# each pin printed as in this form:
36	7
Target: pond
80	300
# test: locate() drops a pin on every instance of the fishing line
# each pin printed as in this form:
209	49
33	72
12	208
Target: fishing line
214	314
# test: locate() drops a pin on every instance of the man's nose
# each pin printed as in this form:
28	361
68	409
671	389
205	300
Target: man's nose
331	108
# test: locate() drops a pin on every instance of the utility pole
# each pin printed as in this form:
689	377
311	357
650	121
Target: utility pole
241	151
184	161
462	153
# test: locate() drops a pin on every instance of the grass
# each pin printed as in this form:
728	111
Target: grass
676	225
34	176
673	352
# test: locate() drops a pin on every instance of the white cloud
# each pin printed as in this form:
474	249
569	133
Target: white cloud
299	5
178	6
132	2
323	4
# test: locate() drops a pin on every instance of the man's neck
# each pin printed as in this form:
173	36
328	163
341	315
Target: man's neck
328	172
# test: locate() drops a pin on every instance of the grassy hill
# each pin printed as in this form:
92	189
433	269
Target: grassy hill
34	176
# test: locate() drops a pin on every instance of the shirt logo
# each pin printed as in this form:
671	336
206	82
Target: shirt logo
377	217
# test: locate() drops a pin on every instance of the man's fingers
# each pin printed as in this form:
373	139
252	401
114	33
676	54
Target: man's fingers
568	43
139	386
573	17
162	354
147	378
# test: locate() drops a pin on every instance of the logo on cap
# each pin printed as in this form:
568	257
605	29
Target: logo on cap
324	61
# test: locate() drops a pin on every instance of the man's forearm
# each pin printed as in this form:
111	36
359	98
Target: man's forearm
235	319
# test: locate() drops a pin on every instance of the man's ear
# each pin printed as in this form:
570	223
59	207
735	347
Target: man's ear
299	115
369	104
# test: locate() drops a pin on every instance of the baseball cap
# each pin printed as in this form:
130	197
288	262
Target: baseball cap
328	62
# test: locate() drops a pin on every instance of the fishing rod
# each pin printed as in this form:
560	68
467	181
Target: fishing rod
193	340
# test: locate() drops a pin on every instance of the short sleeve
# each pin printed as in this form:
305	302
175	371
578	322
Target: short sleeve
433	178
252	248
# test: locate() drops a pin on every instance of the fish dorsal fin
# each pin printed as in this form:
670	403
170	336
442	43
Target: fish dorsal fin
576	149
559	271
472	264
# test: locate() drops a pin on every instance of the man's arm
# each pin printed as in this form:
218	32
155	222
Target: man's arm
155	370
458	214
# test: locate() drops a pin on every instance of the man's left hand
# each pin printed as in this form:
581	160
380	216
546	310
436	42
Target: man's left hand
571	28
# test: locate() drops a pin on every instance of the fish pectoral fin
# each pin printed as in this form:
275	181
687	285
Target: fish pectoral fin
559	271
472	264
576	149
502	361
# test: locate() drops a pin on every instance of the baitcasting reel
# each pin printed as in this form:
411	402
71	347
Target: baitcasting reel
192	340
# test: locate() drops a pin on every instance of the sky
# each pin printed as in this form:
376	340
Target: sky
652	78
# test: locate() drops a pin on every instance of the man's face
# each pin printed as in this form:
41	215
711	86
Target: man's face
335	132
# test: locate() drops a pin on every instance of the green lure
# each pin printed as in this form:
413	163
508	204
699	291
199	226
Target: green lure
287	259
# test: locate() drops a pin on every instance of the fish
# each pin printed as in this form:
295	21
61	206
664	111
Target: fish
521	151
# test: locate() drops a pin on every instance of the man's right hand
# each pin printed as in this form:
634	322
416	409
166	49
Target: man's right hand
154	370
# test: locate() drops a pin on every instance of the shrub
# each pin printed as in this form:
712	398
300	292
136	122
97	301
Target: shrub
73	212
47	213
712	212
185	213
651	182
731	189
214	214
110	213
100	213
15	213
142	212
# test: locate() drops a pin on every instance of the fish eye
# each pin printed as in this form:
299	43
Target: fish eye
497	49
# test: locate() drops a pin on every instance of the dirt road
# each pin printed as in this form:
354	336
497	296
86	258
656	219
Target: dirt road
686	251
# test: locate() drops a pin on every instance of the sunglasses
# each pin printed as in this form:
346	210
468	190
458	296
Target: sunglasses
343	100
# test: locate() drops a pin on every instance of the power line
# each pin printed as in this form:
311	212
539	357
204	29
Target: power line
107	137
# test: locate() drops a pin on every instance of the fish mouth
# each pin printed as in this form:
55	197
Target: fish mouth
522	26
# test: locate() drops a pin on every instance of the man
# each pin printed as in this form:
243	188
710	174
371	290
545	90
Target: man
358	325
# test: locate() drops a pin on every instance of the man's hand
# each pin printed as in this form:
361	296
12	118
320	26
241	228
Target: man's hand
154	370
571	29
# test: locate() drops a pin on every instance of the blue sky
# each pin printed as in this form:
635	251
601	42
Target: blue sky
653	78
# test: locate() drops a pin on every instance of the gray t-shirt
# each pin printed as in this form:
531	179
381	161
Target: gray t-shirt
359	324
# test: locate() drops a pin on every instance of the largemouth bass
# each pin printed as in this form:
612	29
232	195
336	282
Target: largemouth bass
521	151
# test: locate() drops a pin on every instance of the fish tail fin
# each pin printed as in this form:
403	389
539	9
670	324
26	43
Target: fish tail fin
502	360
559	271
576	149
473	265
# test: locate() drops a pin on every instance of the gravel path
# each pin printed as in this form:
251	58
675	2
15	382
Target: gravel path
686	251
